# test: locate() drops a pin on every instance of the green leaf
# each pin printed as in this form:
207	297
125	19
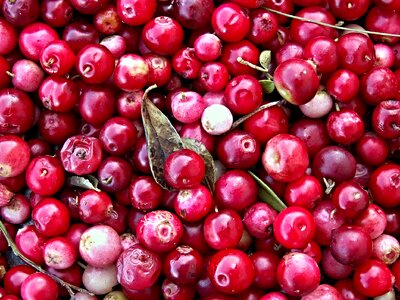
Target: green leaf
267	85
199	148
161	137
90	183
265	59
267	195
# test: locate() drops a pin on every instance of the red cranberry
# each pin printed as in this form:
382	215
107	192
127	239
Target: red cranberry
144	193
334	269
56	13
386	119
322	51
226	270
343	85
258	220
382	20
131	73
193	14
14	155
379	84
58	94
114	174
306	192
14	278
373	220
348	291
30	242
94	206
56	127
39	285
57	58
59	253
298	274
207	47
79	34
350	199
384	185
372	149
10	36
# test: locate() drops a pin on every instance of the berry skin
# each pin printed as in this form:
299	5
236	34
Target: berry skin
184	169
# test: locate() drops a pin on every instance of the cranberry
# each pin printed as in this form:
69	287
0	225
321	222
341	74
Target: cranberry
285	157
348	291
56	13
306	192
386	120
94	207
51	217
10	36
334	269
81	155
192	205
58	94
230	22
184	169
187	107
131	72
114	174
345	245
144	193
373	220
213	76
226	270
59	253
386	248
343	85
79	34
298	274
258	220
322	51
193	14
207	47
57	58
17	211
56	127
216	119
372	149
384	185
159	230
163	35
94	63
138	268
382	20
296	81
14	278
372	278
288	51
378	85
21	13
186	64
14	155
30	242
39	285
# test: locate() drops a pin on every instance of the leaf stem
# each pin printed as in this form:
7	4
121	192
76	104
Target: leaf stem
253	66
262	107
69	287
330	25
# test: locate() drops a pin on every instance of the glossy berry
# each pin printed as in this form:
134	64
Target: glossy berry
39	285
14	157
184	169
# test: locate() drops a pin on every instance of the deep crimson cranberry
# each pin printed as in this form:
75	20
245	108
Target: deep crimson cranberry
14	278
186	64
213	76
51	217
386	119
284	6
17	211
79	34
159	230
10	36
39	285
356	52
306	192
163	35
144	193
296	81
94	206
129	104
94	63
348	291
88	7
373	278
5	69
151	292
223	229
238	150
348	11
289	50
56	127
72	275
285	157
30	242
136	12
12	231
243	94
173	291
26	75
244	49
107	21
298	274
322	52
56	13
265	266
345	126
118	136
372	149
301	32
235	189
81	155
345	245
96	104
58	93
140	158
14	155
193	14
258	220
116	44
183	265
118	218
160	69
193	236
184	169
45	175
334	163
372	220
350	199
226	269
378	85
263	26
334	269
17	114
57	58
114	174
384	185
131	73
193	204
230	22
20	13
382	20
343	85
267	123
313	132
384	55
34	38
294	227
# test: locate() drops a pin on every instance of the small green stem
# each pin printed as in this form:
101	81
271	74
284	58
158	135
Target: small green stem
330	25
69	287
253	66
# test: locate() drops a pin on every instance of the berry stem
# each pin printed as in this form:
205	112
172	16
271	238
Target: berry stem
69	287
330	25
251	65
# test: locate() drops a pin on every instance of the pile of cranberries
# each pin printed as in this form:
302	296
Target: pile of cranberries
82	213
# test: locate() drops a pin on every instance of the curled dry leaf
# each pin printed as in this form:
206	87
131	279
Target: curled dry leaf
161	137
210	174
265	59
